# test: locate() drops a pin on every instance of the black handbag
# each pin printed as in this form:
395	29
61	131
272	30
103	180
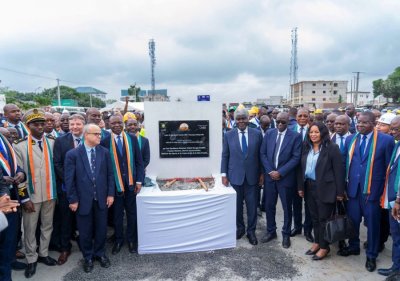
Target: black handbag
339	226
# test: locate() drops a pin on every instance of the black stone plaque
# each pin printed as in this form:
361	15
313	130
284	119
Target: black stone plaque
184	139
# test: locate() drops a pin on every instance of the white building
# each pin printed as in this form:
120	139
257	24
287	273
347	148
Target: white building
92	91
316	93
362	99
272	100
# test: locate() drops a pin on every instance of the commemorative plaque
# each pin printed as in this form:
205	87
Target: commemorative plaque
184	139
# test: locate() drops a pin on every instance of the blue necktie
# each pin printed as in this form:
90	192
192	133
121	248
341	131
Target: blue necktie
119	144
362	145
302	133
341	144
244	144
93	160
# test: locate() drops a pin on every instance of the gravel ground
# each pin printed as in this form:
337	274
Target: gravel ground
262	262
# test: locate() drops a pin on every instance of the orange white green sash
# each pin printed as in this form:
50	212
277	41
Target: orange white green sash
49	169
119	182
370	163
5	164
385	195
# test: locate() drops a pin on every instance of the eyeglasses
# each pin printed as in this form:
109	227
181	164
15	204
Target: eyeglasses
281	121
96	134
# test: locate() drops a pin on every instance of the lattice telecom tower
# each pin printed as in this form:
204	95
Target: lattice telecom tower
293	61
152	54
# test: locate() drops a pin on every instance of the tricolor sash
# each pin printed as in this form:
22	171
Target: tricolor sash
116	166
51	190
385	197
5	164
370	162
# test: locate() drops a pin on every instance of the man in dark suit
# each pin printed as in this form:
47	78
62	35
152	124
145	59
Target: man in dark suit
128	175
301	127
241	167
392	201
351	113
10	176
89	182
280	154
62	145
93	116
365	183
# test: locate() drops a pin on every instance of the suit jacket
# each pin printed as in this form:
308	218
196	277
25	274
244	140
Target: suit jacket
21	151
138	171
329	173
392	176
145	151
358	166
79	181
288	159
234	164
15	193
62	145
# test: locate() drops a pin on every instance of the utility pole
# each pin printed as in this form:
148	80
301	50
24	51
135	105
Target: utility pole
152	54
58	92
356	84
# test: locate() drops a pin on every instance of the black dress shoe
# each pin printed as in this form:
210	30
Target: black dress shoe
393	277
268	237
318	258
370	264
388	271
311	253
17	266
286	242
104	261
132	247
345	252
309	237
47	261
252	239
30	270
295	232
88	265
239	234
116	248
342	244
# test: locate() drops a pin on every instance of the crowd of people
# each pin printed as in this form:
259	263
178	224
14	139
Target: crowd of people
343	161
68	177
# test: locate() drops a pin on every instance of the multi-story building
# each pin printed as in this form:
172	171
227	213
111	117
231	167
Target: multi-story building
92	91
316	93
147	95
361	99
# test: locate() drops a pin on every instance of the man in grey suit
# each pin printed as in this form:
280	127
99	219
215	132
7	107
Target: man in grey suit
241	167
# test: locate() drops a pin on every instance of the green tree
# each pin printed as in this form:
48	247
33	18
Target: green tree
390	87
83	100
340	100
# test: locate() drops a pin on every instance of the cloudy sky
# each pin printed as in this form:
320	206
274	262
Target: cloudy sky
232	50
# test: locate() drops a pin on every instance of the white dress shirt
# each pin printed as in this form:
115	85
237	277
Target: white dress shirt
280	145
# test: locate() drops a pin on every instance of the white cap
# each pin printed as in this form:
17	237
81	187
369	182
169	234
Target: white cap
387	118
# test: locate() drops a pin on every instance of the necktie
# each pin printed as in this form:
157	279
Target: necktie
78	142
18	131
362	145
341	144
276	150
119	144
302	132
93	160
40	145
244	144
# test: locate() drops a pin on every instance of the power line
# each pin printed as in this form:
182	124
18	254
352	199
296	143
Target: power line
39	76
